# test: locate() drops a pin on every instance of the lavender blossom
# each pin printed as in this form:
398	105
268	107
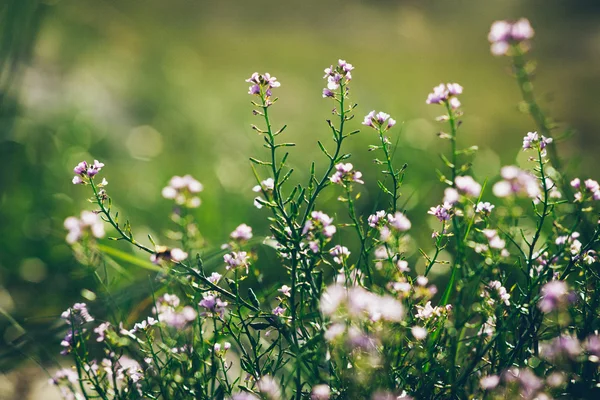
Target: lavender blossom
379	121
344	174
184	190
89	223
504	34
242	233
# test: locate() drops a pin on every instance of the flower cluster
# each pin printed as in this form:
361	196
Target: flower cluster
339	302
339	253
590	190
517	182
344	174
318	229
336	77
84	171
242	233
554	295
170	311
261	84
500	292
214	305
237	259
265	187
88	223
442	212
445	94
184	190
504	34
427	311
379	121
538	142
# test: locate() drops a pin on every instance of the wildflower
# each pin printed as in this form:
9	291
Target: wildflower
564	346
375	219
359	302
441	212
379	121
553	294
501	292
169	310
213	305
262	84
101	331
345	174
489	382
285	290
589	191
77	315
428	311
236	259
265	186
320	392
214	278
278	311
468	186
445	94
89	222
494	240
418	332
241	233
269	388
318	229
64	376
399	221
503	34
533	140
184	190
451	196
517	182
339	253
402	266
336	76
484	207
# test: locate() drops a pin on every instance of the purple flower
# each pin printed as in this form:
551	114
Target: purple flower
468	186
77	315
80	168
517	182
236	260
259	82
375	219
441	212
339	253
213	305
553	294
345	174
379	121
242	232
95	168
445	93
336	77
89	222
399	221
328	93
484	207
278	311
503	34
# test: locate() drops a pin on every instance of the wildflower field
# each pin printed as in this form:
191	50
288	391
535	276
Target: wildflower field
354	285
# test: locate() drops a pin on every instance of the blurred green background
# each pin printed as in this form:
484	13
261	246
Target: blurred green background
155	88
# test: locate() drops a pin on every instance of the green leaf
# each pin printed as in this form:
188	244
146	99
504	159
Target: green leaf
128	258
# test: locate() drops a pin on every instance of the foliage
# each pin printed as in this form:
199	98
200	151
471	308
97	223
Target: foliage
517	317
